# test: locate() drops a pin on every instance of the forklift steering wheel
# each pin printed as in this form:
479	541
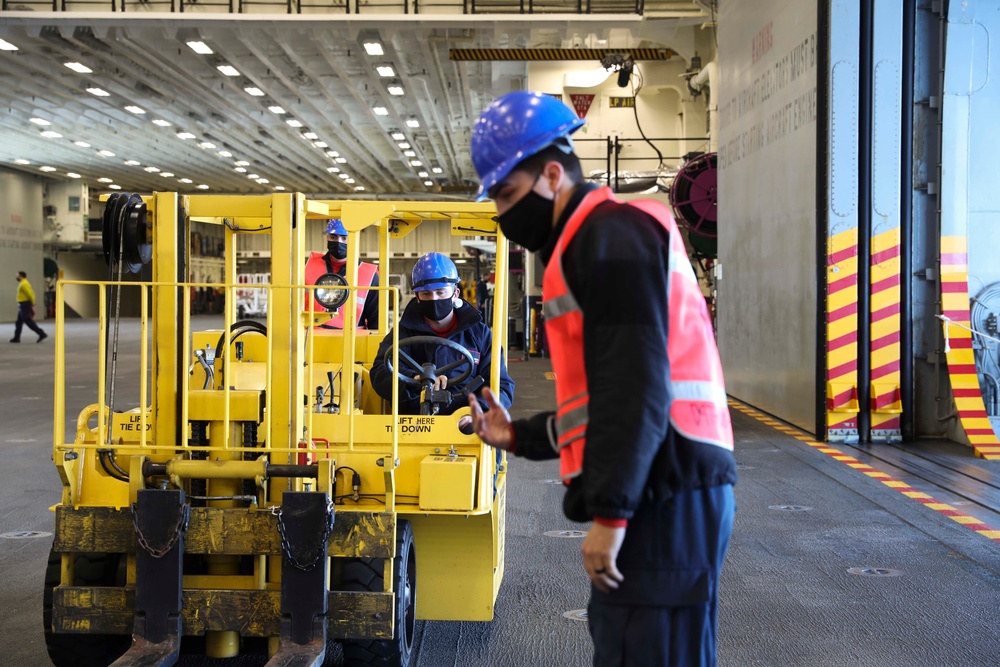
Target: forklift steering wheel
428	371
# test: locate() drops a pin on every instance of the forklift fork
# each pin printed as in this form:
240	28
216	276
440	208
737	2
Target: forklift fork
304	522
160	517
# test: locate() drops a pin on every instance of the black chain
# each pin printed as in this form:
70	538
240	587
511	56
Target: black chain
182	523
286	548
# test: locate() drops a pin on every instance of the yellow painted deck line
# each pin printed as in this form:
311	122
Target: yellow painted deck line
905	489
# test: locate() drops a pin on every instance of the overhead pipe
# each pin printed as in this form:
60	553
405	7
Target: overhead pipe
704	79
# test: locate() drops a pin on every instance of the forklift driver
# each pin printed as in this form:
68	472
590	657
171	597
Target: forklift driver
334	260
442	327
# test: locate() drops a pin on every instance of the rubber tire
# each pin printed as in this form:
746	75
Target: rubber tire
365	574
82	650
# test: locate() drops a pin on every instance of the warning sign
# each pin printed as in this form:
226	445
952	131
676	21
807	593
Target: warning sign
581	103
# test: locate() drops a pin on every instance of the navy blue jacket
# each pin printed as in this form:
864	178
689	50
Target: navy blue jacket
470	332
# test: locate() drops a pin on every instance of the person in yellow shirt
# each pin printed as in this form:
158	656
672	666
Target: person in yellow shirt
26	309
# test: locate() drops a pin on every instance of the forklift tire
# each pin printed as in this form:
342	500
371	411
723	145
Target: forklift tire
366	574
83	650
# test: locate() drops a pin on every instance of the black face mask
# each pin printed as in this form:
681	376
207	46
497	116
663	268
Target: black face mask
528	223
436	310
337	250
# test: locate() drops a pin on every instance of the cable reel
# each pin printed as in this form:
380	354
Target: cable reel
125	234
694	196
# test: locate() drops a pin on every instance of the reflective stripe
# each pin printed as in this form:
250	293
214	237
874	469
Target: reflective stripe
678	262
560	305
571	419
698	391
571	399
570	441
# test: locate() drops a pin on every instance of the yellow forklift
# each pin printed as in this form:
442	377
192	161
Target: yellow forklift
248	491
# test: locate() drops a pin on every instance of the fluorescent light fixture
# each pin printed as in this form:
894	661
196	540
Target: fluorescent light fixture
225	154
345	176
77	67
46	168
279	188
276	109
422	174
398	136
39	121
206	144
385	70
293	123
152	170
320	144
185	135
161	122
395	90
104	180
436	170
413	122
242	163
7	46
380	111
253	176
81	144
132	163
203	187
100	92
51	134
256	92
428	183
134	109
185	180
73	174
310	135
340	160
105	153
115	187
21	160
404	145
349	181
167	174
374	49
359	188
228	70
333	170
263	181
409	154
200	47
461	261
333	153
416	163
241	170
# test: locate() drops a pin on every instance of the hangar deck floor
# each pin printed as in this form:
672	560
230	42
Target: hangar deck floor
928	569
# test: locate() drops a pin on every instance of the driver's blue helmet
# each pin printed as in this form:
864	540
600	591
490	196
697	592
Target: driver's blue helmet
335	227
515	127
434	271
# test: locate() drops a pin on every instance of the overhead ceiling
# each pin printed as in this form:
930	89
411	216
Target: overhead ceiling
193	125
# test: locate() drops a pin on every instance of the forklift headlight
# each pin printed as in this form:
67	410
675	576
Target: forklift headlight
330	291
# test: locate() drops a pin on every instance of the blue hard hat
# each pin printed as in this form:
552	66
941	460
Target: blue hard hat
434	271
335	227
515	127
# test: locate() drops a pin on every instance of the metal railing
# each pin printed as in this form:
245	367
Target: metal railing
339	6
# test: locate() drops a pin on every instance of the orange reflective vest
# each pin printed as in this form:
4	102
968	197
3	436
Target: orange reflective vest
318	265
698	410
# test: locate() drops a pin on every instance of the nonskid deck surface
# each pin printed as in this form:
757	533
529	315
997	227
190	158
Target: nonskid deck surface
828	565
